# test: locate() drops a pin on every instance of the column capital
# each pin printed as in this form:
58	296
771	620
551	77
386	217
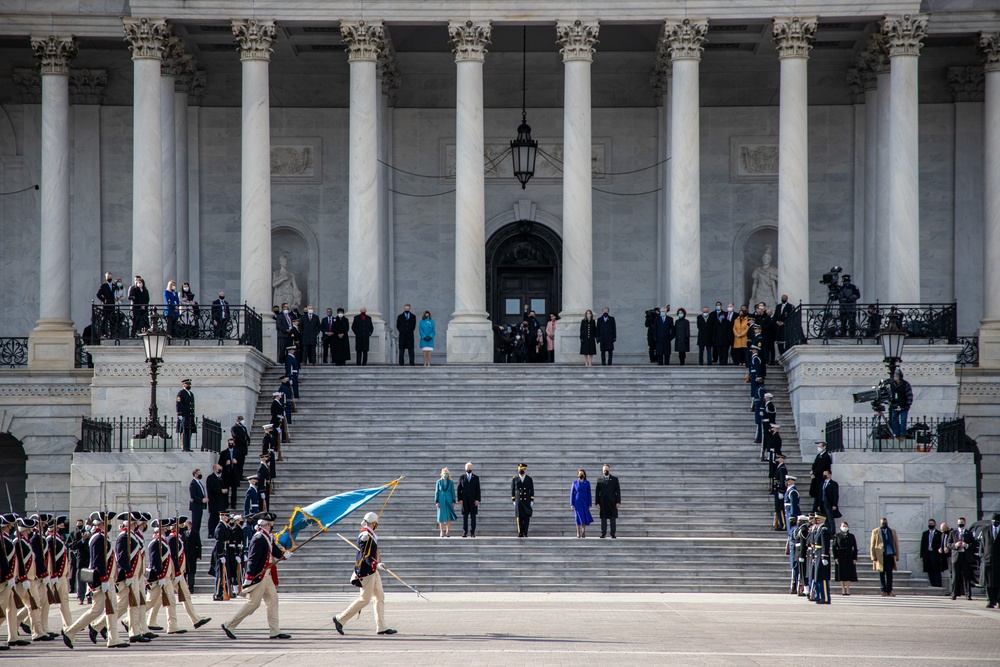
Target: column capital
364	39
86	86
387	69
878	50
904	34
967	84
989	50
173	52
685	38
577	39
30	82
254	37
469	39
54	53
794	36
187	66
856	86
146	37
866	67
659	78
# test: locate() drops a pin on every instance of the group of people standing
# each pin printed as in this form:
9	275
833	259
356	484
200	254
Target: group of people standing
959	552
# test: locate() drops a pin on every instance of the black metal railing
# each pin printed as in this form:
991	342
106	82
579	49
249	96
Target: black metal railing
872	433
969	356
185	323
14	351
819	321
118	434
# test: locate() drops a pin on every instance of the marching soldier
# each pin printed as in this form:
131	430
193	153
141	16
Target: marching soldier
29	588
8	571
179	562
260	577
39	585
160	576
366	577
102	566
128	566
59	570
522	493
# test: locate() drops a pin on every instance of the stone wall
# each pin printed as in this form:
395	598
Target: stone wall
979	401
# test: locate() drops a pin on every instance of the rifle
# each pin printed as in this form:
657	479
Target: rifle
180	550
164	600
109	608
132	602
51	557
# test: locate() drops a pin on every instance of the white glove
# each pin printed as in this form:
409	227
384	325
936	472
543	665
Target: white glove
364	537
826	562
105	586
25	584
531	504
287	555
781	496
381	566
802	560
128	582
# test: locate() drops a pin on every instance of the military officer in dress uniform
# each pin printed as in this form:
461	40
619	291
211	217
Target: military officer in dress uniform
251	502
261	578
778	476
292	369
186	413
102	564
522	494
366	577
264	485
820	543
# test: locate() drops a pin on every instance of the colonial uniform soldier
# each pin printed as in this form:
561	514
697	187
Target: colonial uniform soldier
260	578
128	552
186	413
178	560
522	494
366	577
778	491
821	546
29	587
8	570
58	564
40	584
102	566
160	576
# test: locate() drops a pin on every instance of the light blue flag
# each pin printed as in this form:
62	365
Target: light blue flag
324	513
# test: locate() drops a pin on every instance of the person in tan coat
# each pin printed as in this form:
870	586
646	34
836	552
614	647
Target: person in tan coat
884	551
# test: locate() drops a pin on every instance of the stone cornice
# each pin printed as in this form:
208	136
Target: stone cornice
685	38
469	39
904	35
22	389
793	36
54	53
577	39
364	39
966	83
254	37
146	37
989	50
193	370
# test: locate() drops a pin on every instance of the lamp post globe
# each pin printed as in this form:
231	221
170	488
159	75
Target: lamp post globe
154	340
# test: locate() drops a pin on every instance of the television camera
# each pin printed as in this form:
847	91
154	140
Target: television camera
878	396
832	282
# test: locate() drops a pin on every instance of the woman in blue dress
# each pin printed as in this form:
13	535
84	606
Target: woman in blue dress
444	500
580	499
172	309
427	333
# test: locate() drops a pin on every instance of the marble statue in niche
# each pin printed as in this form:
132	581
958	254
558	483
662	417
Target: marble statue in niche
283	283
765	281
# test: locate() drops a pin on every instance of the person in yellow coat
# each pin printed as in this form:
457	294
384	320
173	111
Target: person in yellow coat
741	326
884	552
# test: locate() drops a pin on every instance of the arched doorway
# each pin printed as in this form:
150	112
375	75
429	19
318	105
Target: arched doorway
523	266
12	471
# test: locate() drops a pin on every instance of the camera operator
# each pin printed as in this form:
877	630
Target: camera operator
900	400
848	295
652	315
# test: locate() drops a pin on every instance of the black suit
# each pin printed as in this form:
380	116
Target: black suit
363	328
930	543
831	502
469	495
782	314
310	329
607	334
821	463
220	317
722	337
106	295
283	324
229	459
664	334
327	336
608	496
706	336
216	501
990	577
962	561
406	324
198	495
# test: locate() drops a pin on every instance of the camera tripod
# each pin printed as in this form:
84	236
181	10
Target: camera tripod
880	427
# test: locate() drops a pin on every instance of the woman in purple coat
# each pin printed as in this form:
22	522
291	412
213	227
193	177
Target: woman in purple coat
580	499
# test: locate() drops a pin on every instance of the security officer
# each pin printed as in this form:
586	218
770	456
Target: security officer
259	578
367	578
522	494
849	295
186	413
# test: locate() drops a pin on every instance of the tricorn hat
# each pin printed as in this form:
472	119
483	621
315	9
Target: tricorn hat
269	517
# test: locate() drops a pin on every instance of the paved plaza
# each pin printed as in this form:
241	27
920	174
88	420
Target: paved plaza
576	629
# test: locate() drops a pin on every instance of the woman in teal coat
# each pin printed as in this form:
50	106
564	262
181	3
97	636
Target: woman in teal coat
427	337
444	499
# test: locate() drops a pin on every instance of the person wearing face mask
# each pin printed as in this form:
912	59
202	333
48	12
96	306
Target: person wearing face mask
139	296
406	325
682	335
588	338
199	499
187	320
283	325
706	335
172	308
580	500
652	317
522	494
782	314
884	550
962	546
845	556
469	496
665	333
341	348
819	543
427	333
221	314
822	463
722	335
607	334
930	553
741	327
608	498
106	295
186	414
990	577
310	330
326	335
444	501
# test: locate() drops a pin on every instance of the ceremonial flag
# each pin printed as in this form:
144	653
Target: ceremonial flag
326	512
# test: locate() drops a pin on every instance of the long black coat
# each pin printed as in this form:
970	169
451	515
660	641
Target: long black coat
990	576
831	499
845	553
664	334
588	336
682	335
607	495
706	329
406	326
607	333
363	329
929	554
217	500
341	341
821	463
722	330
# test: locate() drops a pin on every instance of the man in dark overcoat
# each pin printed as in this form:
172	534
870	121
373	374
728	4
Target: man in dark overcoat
664	334
469	496
822	463
522	494
607	334
990	576
608	496
930	553
706	335
406	324
363	328
341	352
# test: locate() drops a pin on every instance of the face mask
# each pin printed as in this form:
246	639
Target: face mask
580	476
996	522
589	316
340	314
718	308
200	476
444	476
607	473
285	311
468	472
309	310
784	301
680	316
729	310
119	285
930	526
222	297
961	525
843	529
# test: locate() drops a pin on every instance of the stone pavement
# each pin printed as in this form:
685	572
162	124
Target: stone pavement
573	629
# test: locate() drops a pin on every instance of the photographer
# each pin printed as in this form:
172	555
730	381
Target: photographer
849	294
900	400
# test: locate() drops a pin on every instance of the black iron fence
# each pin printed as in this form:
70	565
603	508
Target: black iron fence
118	434
969	356
873	433
833	321
240	324
14	352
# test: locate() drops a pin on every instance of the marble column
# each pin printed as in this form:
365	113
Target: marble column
989	332
147	39
869	86
684	39
470	337
904	36
173	51
254	37
878	289
793	37
577	39
661	82
364	41
182	86
51	343
389	82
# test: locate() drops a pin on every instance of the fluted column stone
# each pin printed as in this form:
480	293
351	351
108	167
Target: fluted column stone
170	68
51	343
989	332
869	87
182	87
879	288
255	37
470	337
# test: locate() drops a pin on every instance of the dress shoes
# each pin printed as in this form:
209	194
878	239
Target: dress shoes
150	635
156	627
177	632
66	640
282	635
229	633
43	638
387	631
201	623
119	646
20	642
338	625
138	639
93	634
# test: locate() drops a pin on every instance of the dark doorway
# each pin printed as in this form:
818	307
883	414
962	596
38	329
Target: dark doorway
12	472
523	262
